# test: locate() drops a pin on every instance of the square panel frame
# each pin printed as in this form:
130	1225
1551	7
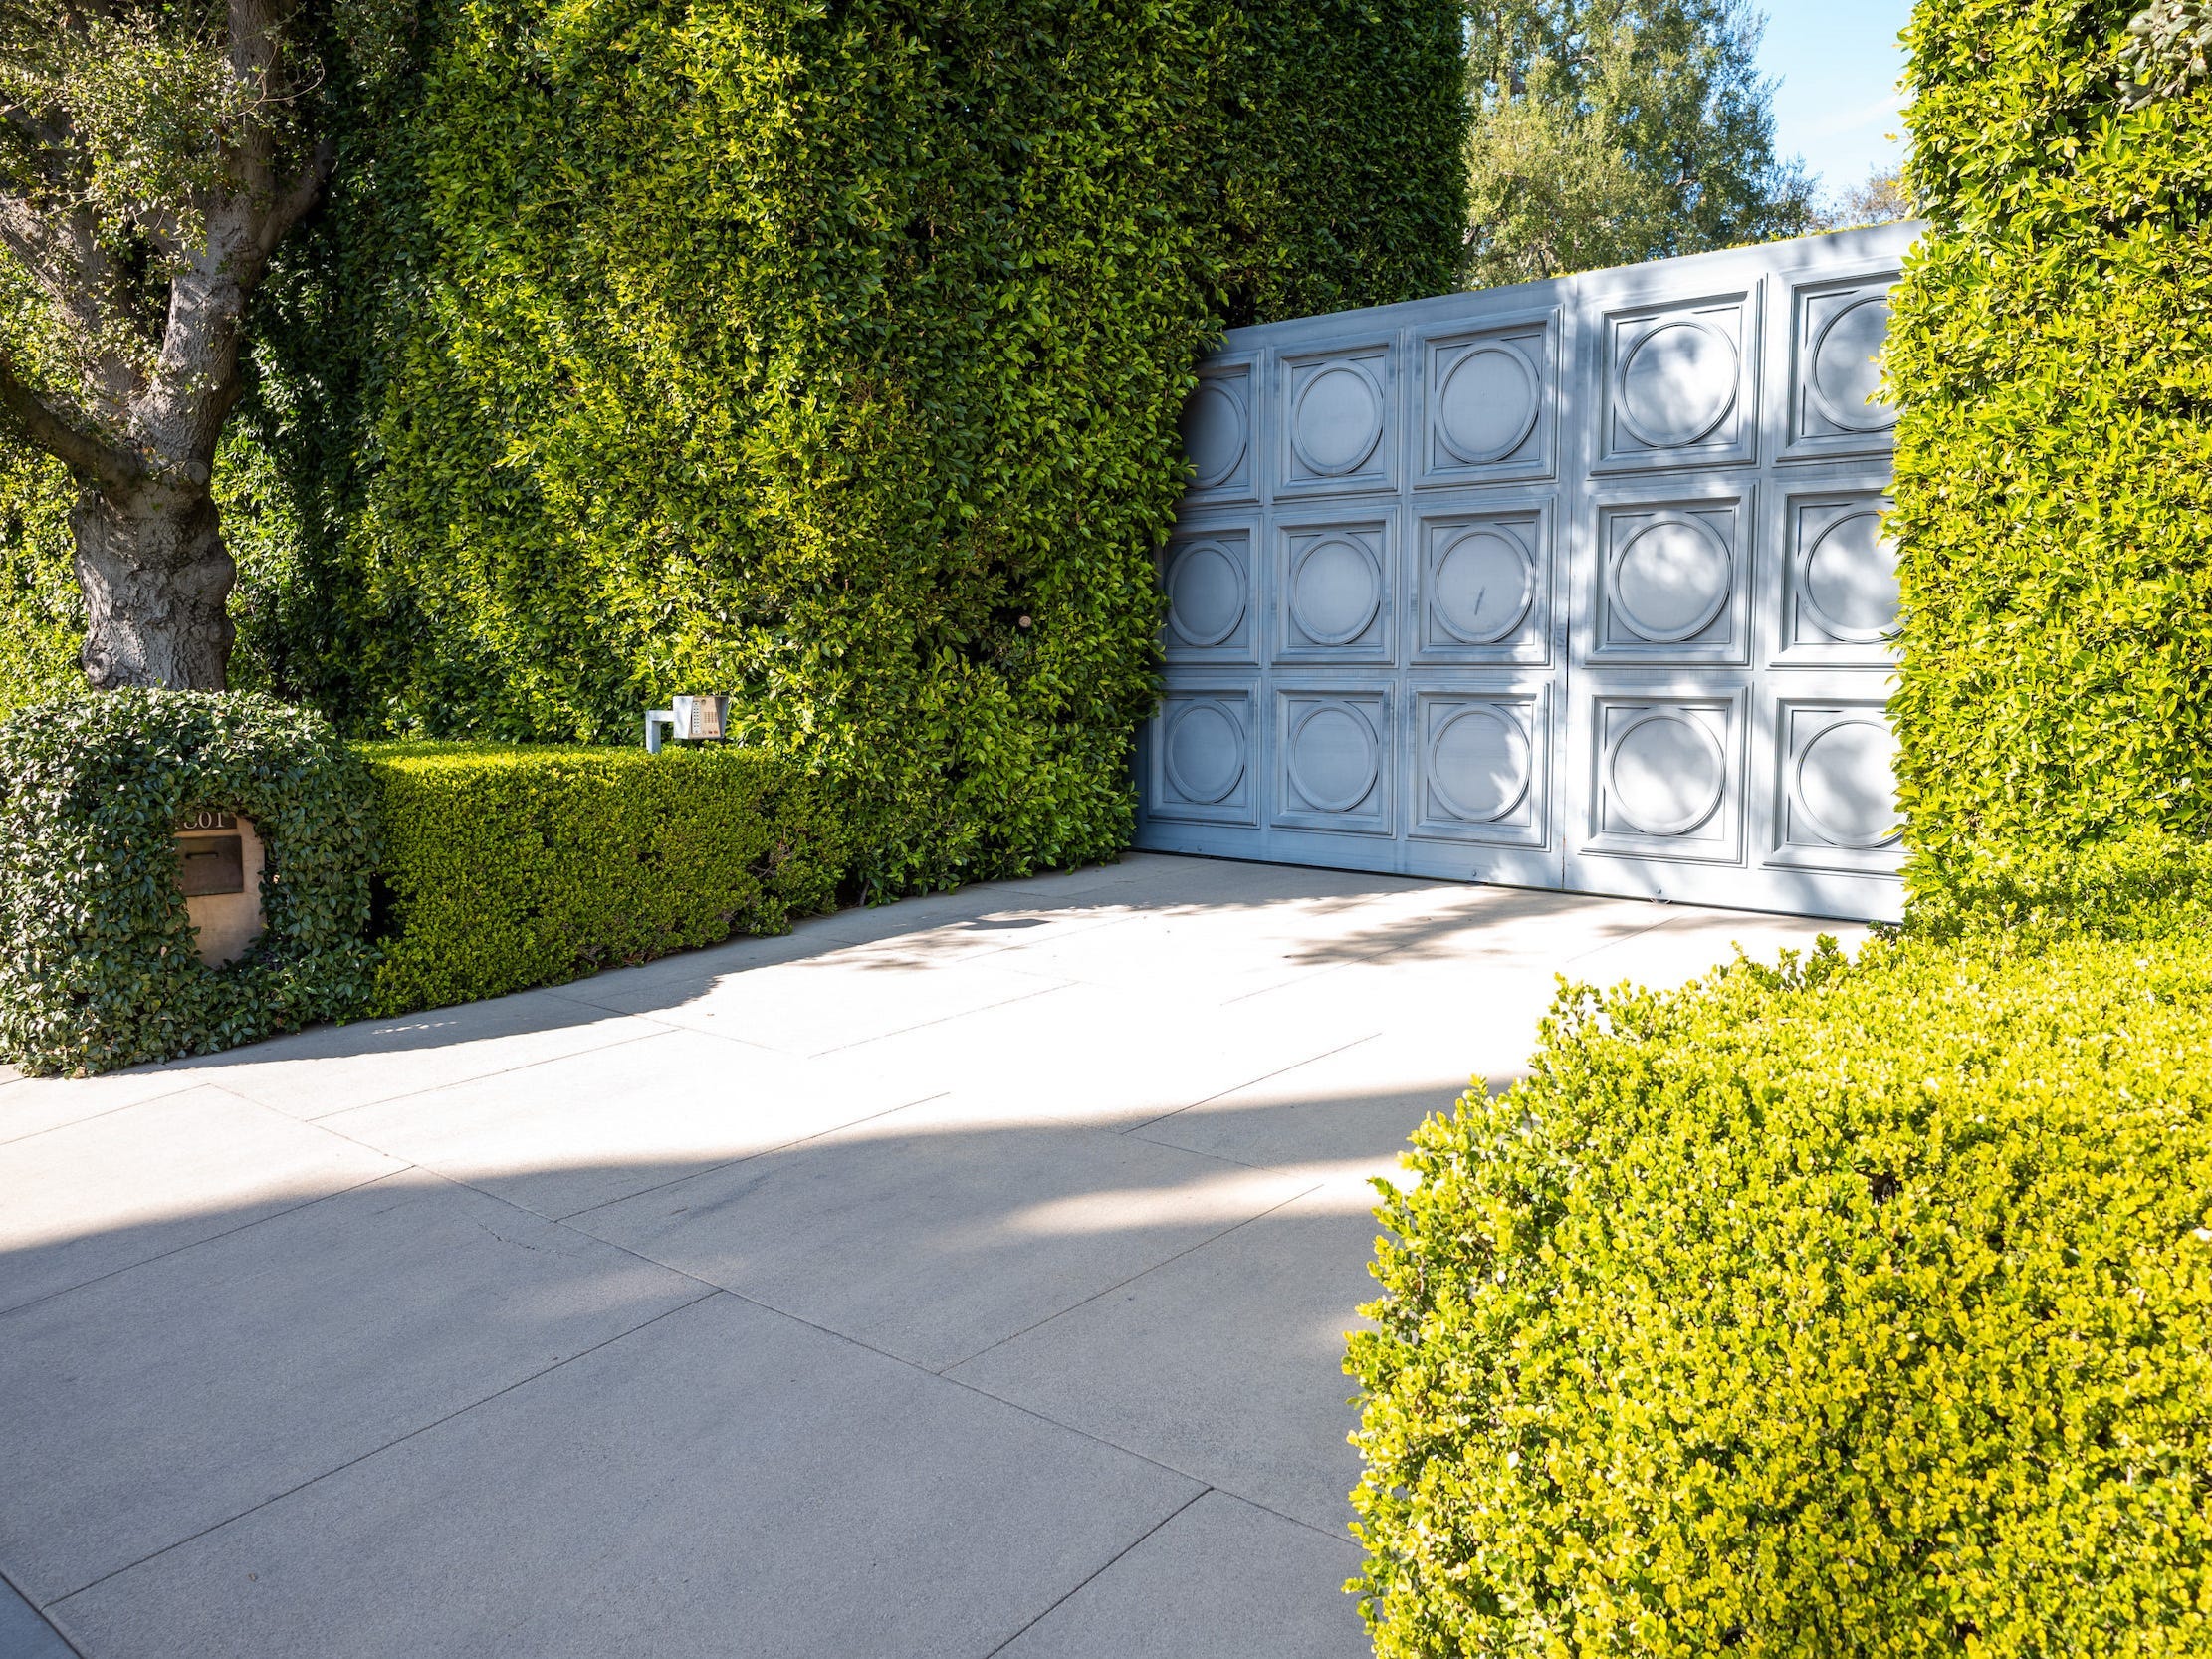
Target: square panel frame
1793	836
1437	354
1291	375
1375	698
1243	538
1628	324
1237	807
1534	639
1813	430
1594	740
1293	535
1693	500
1800	635
1431	707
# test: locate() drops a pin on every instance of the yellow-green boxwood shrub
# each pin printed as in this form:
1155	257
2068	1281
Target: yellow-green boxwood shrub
2051	349
506	867
97	961
1851	1309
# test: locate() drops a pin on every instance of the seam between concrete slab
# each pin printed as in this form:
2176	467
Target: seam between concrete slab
194	1244
831	1330
94	1118
1624	938
714	1289
855	1341
1248	1083
40	1614
1075	1429
1261	1503
1094	1578
1109	1289
731	1163
662	1029
945	1019
388	1446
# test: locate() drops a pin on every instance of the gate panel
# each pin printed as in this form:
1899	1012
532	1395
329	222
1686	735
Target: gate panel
1580	583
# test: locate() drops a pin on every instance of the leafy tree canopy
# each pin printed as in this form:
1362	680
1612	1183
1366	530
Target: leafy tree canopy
1609	131
1881	198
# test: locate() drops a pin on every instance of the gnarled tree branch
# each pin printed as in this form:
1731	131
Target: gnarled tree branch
62	438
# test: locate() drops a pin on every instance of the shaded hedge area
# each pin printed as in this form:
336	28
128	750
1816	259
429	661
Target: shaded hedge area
825	355
1841	1309
2052	351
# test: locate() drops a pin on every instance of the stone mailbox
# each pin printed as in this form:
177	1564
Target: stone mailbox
219	863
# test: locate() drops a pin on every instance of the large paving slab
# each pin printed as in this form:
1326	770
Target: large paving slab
964	1275
158	1404
560	1138
92	1197
723	1481
931	1238
1226	1361
33	1105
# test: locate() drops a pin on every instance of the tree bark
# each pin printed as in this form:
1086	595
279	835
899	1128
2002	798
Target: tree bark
157	579
156	381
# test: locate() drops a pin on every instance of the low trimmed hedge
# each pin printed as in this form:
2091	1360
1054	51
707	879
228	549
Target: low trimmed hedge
97	959
506	867
399	876
1855	1307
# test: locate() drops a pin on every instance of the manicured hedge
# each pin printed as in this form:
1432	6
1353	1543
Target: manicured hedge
98	964
2053	352
399	876
509	867
1841	1310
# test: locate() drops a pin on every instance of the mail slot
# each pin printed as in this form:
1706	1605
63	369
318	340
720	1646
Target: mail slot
212	865
219	863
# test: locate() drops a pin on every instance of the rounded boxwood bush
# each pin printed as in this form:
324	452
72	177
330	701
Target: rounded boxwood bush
1841	1310
97	961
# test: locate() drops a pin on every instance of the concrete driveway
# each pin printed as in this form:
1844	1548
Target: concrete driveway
962	1278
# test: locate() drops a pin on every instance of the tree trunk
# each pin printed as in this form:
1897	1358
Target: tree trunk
157	579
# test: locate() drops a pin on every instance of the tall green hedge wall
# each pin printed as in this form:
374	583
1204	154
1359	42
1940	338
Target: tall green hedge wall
2053	349
827	354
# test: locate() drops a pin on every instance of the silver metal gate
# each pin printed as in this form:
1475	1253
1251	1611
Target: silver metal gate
1580	583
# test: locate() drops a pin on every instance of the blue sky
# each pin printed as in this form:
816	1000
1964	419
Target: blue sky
1838	62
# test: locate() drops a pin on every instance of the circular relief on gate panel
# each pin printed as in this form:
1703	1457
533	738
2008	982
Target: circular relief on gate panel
1336	587
1212	433
1847	784
1845	381
1665	773
1487	405
1677	384
1478	765
1333	760
1205	752
1205	594
1670	579
1485	584
1851	580
1338	421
